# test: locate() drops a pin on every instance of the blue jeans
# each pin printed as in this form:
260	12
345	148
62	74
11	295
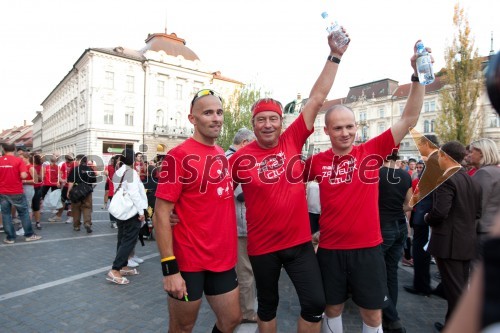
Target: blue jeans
394	234
18	201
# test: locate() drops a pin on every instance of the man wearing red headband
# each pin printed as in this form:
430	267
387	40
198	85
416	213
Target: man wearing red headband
270	172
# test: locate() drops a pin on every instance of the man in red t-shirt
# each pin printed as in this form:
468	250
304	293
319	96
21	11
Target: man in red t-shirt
140	167
270	173
12	172
64	171
199	253
349	252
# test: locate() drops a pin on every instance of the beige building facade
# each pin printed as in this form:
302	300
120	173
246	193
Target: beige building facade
116	97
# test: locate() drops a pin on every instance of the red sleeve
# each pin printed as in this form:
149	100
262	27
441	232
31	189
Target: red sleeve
382	144
169	184
297	132
22	166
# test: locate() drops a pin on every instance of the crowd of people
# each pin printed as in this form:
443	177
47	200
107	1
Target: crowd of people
227	223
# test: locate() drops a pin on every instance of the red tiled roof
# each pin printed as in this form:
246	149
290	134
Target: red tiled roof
328	104
404	90
374	89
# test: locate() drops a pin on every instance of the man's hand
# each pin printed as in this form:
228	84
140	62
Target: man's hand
174	219
335	50
142	218
413	59
175	285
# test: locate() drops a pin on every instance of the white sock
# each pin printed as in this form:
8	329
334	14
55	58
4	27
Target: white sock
369	329
332	325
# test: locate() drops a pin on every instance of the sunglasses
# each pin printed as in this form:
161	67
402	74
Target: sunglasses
204	92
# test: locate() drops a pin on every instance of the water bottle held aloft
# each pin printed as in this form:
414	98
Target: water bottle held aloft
332	27
424	65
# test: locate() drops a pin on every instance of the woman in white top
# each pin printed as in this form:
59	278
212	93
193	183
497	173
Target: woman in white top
128	230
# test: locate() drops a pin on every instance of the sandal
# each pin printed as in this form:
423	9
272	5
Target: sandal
129	272
118	280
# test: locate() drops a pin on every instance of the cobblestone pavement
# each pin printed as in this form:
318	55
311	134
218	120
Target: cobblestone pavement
58	284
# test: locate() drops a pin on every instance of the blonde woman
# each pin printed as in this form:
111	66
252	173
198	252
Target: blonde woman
484	157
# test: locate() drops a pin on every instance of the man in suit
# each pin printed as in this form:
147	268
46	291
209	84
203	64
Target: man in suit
422	202
457	204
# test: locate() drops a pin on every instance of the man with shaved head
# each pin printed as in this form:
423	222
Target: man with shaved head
349	253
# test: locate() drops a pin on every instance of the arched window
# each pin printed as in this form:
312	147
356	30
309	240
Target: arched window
159	118
433	123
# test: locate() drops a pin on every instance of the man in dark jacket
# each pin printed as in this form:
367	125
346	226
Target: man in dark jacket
428	147
457	204
82	175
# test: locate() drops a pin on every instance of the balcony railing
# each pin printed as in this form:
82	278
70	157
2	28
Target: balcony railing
175	131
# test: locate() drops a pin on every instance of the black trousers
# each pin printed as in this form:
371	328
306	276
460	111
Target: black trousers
128	233
454	277
421	259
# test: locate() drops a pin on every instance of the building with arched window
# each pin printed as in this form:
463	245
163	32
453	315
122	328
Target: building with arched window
117	97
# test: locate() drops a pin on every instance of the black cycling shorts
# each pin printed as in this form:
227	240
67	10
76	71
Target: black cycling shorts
211	283
302	267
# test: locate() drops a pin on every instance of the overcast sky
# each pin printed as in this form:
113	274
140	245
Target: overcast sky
280	45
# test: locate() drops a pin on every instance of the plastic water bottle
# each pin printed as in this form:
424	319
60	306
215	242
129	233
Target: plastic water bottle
332	27
424	65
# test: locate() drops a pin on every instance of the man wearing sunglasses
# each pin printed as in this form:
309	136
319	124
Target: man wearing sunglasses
198	255
270	173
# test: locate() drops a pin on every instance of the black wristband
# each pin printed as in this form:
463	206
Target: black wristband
333	59
414	78
169	267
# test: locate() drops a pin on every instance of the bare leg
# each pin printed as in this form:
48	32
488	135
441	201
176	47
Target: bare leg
371	318
267	326
227	309
182	315
106	196
307	326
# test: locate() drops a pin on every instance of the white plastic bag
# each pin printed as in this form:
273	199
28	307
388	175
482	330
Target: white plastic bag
53	200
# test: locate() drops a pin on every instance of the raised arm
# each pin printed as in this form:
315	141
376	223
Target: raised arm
323	84
413	105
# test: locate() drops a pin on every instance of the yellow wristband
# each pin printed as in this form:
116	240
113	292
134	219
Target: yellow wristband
168	259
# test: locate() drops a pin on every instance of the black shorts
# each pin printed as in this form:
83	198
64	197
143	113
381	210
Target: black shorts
45	190
302	267
360	272
106	186
212	283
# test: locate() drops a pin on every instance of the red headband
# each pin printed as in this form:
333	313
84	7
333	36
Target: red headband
267	104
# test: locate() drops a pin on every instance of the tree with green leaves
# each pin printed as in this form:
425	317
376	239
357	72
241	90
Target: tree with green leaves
460	118
238	113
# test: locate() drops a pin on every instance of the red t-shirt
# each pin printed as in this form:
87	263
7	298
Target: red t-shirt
206	237
141	170
65	169
111	187
349	194
30	177
51	175
10	174
38	169
275	195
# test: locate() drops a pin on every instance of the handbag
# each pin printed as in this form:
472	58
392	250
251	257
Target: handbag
79	192
121	205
